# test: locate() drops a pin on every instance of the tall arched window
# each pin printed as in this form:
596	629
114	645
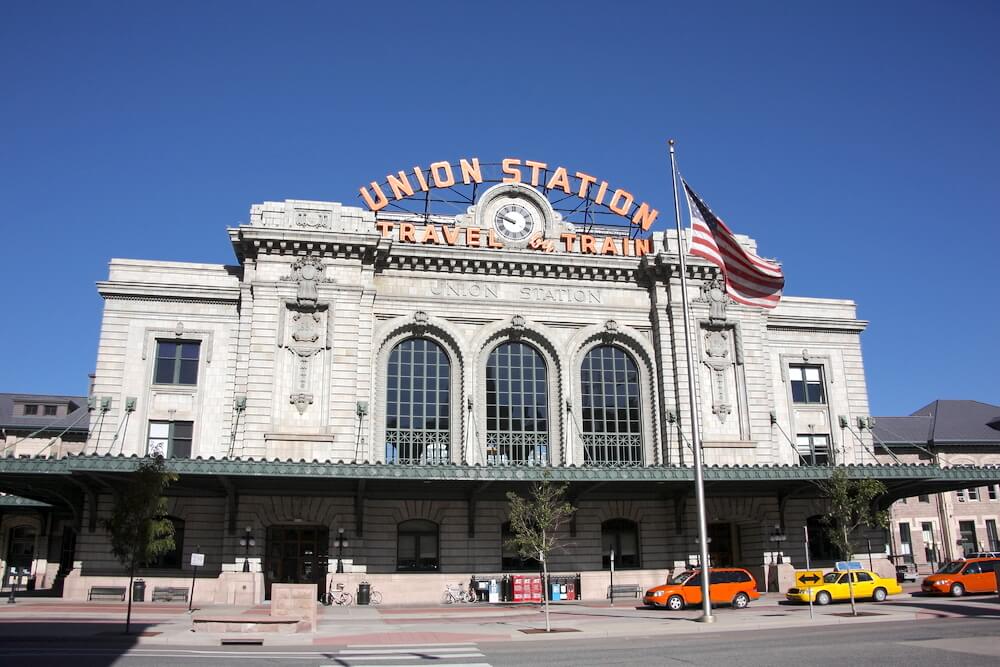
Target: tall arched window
612	433
621	535
517	406
418	403
417	546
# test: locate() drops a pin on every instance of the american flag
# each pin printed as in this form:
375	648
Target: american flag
750	280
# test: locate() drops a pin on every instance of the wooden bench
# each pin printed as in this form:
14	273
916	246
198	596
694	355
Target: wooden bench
117	591
169	594
621	590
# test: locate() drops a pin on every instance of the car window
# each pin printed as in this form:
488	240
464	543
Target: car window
843	579
951	568
722	578
864	576
972	568
695	580
681	578
740	577
830	577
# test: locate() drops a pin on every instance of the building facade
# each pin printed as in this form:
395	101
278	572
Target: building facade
931	528
385	379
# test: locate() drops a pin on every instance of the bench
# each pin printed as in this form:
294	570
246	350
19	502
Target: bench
117	591
169	594
621	590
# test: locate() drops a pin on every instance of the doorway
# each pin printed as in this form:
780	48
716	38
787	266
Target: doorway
20	550
296	555
720	544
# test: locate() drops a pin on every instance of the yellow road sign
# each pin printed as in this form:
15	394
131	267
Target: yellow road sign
808	578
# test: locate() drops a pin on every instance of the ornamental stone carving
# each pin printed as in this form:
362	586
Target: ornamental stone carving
718	360
517	323
301	401
714	294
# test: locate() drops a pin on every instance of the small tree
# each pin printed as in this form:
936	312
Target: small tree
138	525
851	506
534	524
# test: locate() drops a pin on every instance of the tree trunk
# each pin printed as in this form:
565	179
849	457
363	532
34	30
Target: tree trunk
128	594
850	578
545	593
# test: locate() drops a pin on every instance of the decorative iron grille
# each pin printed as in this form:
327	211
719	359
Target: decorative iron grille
417	447
613	450
517	449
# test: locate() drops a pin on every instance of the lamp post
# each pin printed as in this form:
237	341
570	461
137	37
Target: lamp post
340	543
14	577
612	548
246	542
776	538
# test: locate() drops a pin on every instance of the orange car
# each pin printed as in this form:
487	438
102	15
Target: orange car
975	575
731	585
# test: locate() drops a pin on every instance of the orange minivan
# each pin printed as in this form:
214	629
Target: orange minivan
975	575
727	585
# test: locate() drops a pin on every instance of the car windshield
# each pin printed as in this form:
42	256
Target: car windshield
952	567
681	578
830	577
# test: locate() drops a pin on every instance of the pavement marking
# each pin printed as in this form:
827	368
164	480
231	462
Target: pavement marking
414	654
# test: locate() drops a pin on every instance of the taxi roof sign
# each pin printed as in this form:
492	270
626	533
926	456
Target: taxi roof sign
844	565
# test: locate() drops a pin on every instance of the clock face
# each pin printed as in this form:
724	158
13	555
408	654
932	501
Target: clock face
515	222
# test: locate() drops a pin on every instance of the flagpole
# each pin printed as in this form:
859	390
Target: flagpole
699	483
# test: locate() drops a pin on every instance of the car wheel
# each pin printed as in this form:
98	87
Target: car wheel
741	601
957	590
675	603
879	595
823	598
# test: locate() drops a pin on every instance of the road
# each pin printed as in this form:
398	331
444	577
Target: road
953	642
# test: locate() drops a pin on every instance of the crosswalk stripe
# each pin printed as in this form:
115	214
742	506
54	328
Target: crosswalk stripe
455	664
404	646
409	656
407	649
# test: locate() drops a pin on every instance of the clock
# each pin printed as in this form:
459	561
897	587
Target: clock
515	221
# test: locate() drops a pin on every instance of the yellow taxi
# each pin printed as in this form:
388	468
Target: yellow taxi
835	586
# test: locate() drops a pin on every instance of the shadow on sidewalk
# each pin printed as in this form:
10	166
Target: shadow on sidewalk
82	643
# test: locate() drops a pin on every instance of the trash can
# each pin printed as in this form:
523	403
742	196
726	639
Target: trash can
138	591
364	593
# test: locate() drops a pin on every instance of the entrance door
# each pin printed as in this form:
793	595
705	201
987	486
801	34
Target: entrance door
20	550
296	555
720	544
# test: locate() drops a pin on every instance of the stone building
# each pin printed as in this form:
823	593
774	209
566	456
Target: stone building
385	378
930	528
32	536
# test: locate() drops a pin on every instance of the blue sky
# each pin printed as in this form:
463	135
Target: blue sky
856	141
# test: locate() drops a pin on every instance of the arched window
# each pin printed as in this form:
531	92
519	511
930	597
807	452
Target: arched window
417	546
510	559
418	403
173	559
517	406
621	535
612	434
820	546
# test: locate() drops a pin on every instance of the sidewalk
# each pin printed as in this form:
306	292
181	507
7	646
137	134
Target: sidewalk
170	624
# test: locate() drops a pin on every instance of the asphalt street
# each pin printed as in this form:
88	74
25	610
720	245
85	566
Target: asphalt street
952	642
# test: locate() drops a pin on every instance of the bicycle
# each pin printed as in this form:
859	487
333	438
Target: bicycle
339	596
374	597
456	593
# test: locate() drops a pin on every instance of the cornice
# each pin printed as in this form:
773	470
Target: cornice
816	324
142	291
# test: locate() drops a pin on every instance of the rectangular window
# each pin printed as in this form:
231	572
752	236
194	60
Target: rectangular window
967	536
927	534
51	410
176	362
960	494
991	534
992	491
807	384
814	449
924	498
905	541
30	409
170	440
973	494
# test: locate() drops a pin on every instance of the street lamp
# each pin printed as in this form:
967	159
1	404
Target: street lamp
611	547
776	538
246	542
340	543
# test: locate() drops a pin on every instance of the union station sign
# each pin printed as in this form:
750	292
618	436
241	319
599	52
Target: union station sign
524	208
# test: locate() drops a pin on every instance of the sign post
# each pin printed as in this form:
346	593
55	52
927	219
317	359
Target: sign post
197	560
809	592
612	576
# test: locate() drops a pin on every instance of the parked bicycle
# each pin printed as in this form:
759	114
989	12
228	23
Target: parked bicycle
338	596
456	593
374	597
